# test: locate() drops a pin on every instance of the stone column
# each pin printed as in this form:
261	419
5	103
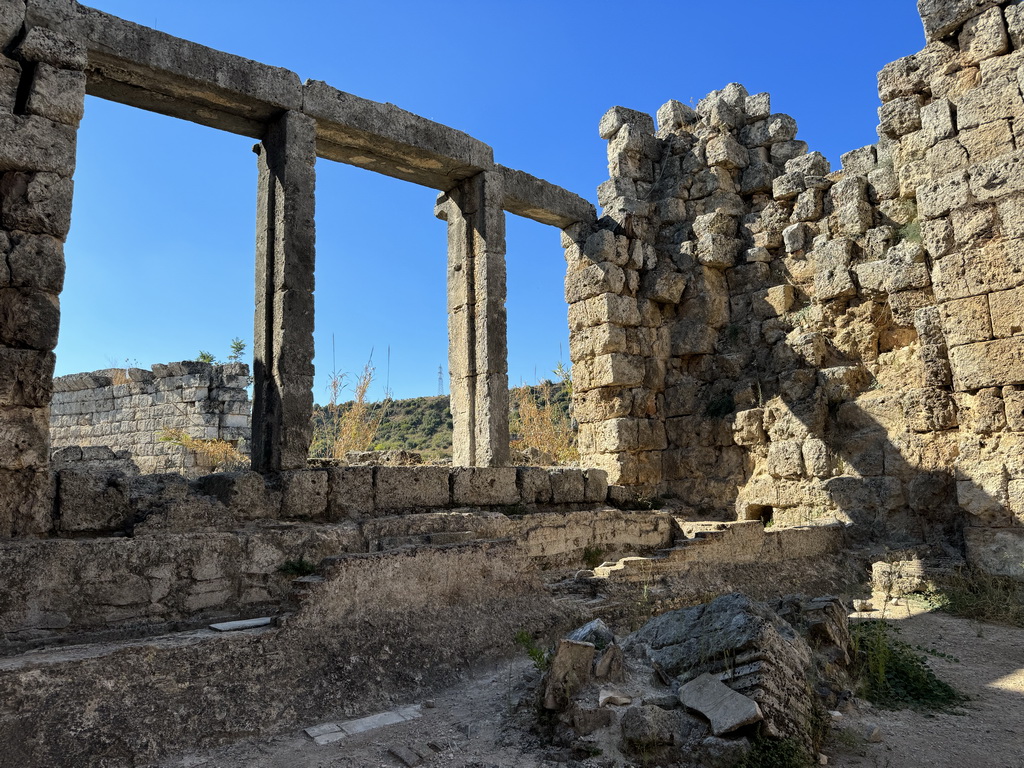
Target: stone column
477	346
285	256
42	96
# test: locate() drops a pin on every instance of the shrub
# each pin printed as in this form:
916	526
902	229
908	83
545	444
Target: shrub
973	594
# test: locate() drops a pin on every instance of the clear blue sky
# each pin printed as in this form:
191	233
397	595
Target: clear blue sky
160	256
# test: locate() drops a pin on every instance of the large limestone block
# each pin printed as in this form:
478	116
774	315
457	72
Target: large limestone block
996	550
350	492
832	279
988	364
571	670
484	486
1007	312
614	370
900	116
593	280
965	321
983	37
595	487
941	18
92	502
24	438
36	202
937	198
605	308
46	46
26	377
304	493
411	487
57	94
567	485
997	178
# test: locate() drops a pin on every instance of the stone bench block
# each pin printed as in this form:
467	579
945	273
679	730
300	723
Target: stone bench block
484	486
411	487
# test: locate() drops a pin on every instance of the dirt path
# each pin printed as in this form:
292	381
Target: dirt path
987	732
478	724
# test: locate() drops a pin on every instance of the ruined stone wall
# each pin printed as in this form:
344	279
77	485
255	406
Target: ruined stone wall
128	410
761	335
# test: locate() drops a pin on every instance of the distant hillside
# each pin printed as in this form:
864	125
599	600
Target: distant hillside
423	424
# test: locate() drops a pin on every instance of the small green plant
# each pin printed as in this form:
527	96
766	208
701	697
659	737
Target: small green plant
537	655
205	357
893	675
237	350
776	753
973	594
593	556
299	566
910	232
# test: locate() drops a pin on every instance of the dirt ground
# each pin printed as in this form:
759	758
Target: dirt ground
483	723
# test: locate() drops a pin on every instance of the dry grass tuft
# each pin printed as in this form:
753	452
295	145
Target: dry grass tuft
351	426
539	427
219	455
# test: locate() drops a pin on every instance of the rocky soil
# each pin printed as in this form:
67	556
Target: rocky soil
485	722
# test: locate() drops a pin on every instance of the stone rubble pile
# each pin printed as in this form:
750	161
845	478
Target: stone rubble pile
699	685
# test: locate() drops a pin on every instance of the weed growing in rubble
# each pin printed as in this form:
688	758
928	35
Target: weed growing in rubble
973	594
537	655
776	753
219	455
893	674
593	557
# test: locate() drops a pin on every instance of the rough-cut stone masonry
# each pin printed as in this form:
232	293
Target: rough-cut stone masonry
755	331
128	409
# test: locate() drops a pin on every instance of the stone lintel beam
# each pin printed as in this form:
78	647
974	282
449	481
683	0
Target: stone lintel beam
477	347
140	67
285	256
390	140
536	199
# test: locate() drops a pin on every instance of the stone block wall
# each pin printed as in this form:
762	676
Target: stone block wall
128	409
759	334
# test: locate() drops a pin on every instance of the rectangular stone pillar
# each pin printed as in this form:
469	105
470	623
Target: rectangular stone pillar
42	97
477	345
285	256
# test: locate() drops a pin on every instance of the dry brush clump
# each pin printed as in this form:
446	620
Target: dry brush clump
540	421
219	455
340	427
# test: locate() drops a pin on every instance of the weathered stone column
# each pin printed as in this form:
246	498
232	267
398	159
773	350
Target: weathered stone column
42	96
285	257
477	344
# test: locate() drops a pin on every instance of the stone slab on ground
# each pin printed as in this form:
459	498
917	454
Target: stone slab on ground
726	709
328	733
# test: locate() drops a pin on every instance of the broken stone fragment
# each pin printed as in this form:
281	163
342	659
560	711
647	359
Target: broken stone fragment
610	697
610	665
723	707
570	671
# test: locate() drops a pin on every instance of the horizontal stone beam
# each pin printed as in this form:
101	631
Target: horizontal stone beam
141	67
389	140
536	199
138	66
